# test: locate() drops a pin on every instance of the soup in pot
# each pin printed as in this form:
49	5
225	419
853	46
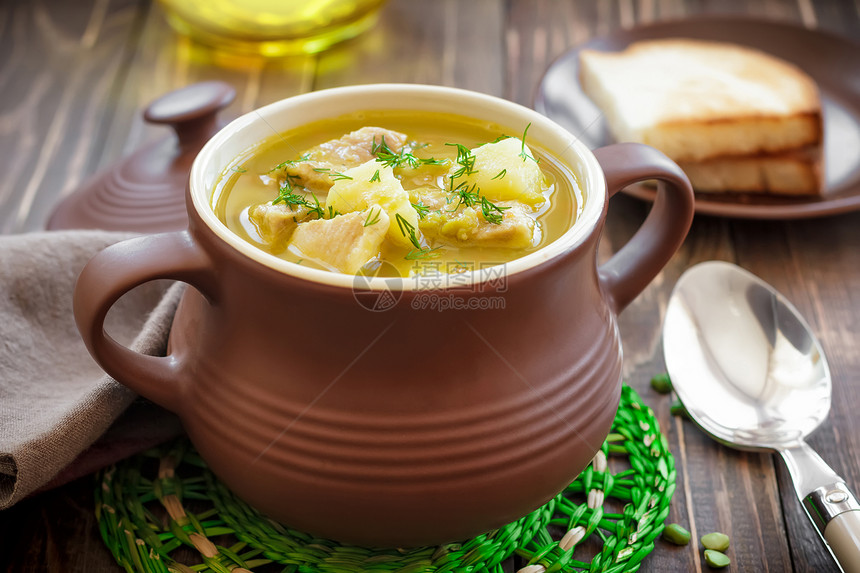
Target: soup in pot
396	193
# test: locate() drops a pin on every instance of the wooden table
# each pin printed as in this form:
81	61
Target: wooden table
75	73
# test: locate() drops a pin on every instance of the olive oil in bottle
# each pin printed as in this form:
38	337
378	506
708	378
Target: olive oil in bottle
271	27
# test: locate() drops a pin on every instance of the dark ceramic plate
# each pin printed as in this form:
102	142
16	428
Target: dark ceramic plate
833	62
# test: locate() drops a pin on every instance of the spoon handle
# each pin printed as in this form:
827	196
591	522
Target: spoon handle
832	507
843	536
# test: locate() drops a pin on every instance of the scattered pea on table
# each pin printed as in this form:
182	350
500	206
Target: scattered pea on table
716	541
716	559
661	383
676	534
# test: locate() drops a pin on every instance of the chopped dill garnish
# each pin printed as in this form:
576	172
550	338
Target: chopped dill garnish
416	254
421	208
238	169
468	196
315	208
372	218
523	153
388	157
335	176
500	174
501	138
492	212
287	196
332	212
292	199
407	230
286	164
432	161
375	176
465	159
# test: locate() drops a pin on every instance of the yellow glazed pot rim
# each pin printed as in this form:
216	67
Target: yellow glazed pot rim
249	130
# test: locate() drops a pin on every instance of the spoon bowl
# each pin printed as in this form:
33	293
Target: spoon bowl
751	374
761	378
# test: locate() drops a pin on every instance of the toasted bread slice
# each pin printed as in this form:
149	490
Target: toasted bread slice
789	173
697	100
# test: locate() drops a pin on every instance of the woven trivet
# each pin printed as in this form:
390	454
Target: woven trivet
163	510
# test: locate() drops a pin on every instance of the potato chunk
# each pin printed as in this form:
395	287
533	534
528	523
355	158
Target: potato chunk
344	243
375	184
503	175
337	155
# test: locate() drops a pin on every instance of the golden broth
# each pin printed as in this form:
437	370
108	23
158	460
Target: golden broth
242	186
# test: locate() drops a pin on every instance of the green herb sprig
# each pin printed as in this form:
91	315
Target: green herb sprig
421	209
492	212
466	195
418	254
470	196
523	153
390	158
290	162
289	197
335	175
372	218
465	159
407	230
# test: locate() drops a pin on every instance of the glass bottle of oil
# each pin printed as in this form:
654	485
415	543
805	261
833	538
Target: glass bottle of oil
271	27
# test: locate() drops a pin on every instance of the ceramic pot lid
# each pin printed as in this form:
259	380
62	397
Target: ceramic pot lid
145	192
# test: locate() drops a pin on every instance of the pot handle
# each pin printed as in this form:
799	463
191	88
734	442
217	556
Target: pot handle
630	270
115	271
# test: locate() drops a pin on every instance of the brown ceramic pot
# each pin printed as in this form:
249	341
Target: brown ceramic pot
406	426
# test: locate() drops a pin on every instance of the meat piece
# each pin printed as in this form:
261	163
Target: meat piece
517	229
344	243
466	227
432	197
338	155
276	223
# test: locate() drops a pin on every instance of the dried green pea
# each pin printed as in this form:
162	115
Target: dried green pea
716	559
716	541
661	383
677	409
676	534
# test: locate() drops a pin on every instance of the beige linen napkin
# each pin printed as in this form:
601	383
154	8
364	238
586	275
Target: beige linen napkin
55	402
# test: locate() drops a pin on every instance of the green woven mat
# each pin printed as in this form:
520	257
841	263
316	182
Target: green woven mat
163	510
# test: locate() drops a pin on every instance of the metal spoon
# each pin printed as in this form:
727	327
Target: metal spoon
751	373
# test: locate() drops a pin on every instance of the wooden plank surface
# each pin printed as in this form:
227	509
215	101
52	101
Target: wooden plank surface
60	65
74	76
